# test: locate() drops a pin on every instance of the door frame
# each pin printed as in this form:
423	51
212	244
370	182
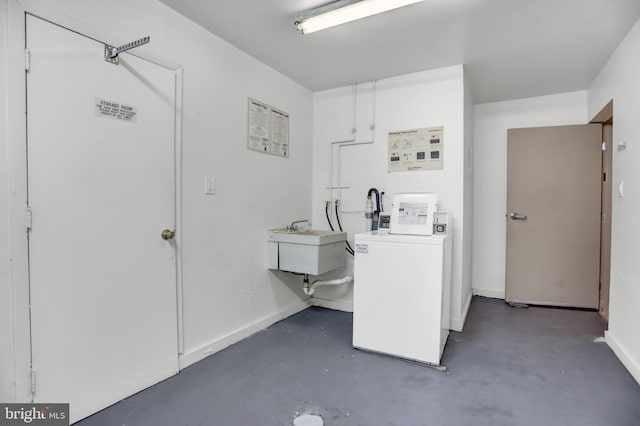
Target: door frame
17	173
605	117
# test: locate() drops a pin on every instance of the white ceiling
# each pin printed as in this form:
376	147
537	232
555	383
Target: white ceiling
510	48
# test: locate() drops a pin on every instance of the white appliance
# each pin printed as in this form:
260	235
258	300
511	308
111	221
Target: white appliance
402	295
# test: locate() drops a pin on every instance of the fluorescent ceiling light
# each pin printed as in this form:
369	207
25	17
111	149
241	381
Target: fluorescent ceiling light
342	11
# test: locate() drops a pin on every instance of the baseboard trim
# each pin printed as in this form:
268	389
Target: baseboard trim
217	345
623	355
336	305
491	293
457	324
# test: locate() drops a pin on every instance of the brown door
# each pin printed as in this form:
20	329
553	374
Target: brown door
553	215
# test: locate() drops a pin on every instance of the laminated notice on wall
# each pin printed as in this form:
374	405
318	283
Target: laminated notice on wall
419	149
268	129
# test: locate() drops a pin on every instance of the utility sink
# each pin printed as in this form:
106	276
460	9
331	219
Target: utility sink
306	251
306	236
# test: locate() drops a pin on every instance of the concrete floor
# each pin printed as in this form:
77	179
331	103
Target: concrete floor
536	366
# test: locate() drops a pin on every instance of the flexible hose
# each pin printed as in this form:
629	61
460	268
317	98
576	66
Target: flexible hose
349	248
326	212
378	208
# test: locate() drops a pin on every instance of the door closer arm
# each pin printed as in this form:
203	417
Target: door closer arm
111	52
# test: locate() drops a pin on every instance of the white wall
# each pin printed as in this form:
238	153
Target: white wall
619	81
490	174
467	253
6	331
228	292
424	99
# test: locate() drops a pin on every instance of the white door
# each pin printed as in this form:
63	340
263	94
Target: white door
553	215
101	189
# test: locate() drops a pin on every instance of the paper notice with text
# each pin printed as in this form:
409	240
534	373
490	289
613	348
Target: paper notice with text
268	129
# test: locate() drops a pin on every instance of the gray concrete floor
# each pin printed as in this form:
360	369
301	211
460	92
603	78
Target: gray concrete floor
536	366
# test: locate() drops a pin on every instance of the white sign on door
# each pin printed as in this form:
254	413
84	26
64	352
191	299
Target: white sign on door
116	110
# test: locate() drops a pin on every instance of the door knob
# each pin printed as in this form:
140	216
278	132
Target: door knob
517	216
168	234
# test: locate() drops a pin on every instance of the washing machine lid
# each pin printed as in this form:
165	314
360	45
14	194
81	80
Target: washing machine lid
374	237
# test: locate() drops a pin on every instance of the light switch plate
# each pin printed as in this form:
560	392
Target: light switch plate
209	185
621	189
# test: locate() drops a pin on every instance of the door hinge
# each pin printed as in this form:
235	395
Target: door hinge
604	145
602	216
27	60
33	382
28	219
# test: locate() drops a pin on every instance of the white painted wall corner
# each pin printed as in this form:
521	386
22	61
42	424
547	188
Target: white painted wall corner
489	292
457	324
336	305
633	365
217	345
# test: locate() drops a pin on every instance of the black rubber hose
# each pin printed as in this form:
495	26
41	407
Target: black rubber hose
349	248
378	204
326	212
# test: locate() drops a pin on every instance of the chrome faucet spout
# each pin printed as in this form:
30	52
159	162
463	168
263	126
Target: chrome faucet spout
294	224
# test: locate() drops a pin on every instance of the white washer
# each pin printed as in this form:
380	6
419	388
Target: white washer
402	286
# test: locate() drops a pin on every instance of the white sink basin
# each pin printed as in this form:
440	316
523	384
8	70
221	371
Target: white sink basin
307	251
306	236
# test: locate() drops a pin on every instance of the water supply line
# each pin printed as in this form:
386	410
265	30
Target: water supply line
378	205
326	212
373	212
309	289
349	248
353	141
368	213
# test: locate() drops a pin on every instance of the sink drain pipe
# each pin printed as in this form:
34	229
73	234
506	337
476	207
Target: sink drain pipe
309	289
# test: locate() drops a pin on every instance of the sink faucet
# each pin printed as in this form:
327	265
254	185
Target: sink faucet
294	226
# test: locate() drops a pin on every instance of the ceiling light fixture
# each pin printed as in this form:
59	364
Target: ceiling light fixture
343	11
